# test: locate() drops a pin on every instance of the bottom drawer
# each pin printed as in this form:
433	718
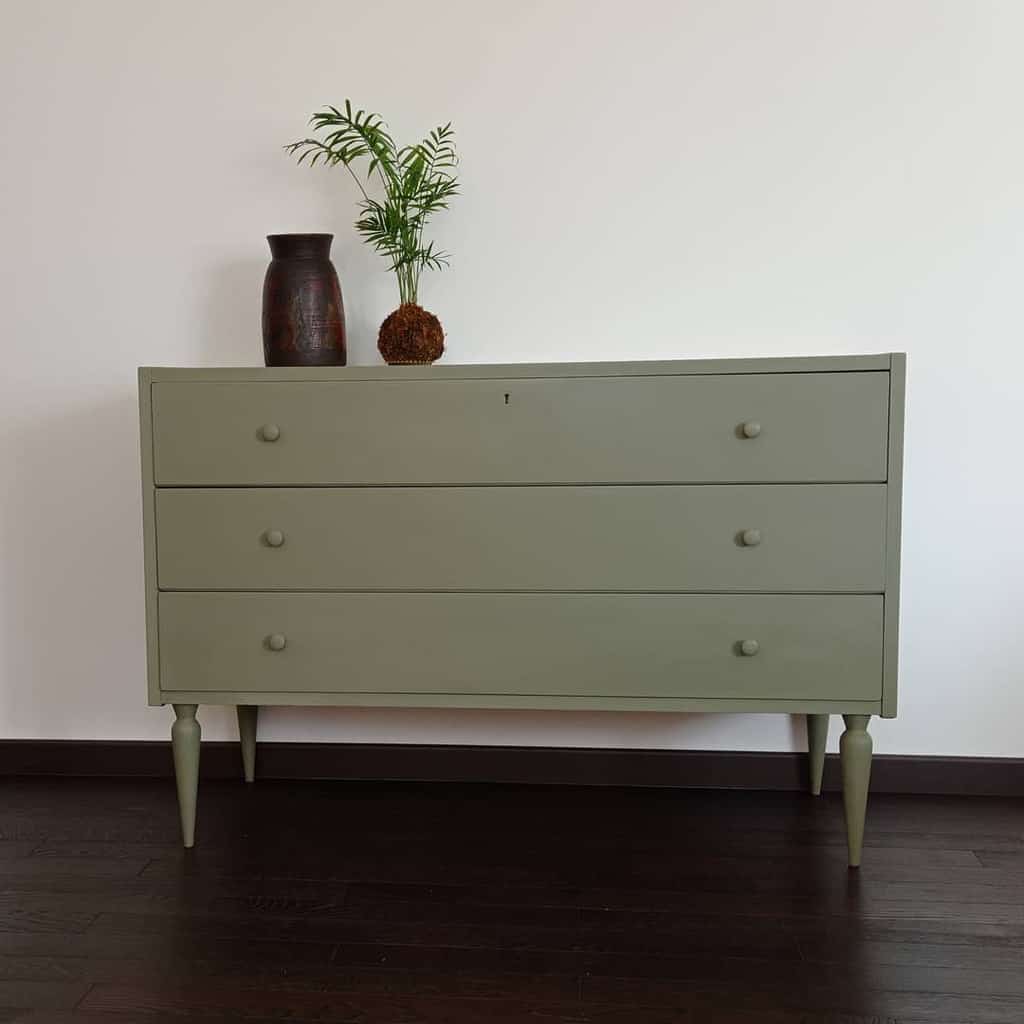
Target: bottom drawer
616	645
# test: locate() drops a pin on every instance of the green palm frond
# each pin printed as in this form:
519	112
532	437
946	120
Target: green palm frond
418	180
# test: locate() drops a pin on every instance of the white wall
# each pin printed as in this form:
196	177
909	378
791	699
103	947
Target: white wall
642	180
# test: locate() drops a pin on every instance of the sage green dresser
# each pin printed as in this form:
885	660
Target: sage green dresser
678	536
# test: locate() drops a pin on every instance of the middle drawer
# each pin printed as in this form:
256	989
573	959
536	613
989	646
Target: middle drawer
773	538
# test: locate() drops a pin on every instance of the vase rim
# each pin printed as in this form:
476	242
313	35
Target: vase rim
316	246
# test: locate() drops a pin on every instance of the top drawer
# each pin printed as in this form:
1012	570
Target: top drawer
807	427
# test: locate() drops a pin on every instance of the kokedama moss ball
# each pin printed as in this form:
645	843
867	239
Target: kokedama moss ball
411	335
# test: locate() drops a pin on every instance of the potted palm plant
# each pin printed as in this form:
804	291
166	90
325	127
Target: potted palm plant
417	180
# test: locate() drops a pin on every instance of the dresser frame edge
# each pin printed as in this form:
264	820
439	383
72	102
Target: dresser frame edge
893	531
879	362
149	535
897	376
521	702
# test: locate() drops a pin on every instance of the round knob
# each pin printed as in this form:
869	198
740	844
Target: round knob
748	648
270	431
276	641
751	538
275	538
751	428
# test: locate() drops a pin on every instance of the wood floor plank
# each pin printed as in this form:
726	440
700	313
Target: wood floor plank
41	994
1004	859
203	975
974	954
338	1005
762	938
836	996
181	950
22	916
42	868
9	849
77	850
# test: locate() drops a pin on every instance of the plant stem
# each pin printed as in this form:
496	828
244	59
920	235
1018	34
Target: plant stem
408	283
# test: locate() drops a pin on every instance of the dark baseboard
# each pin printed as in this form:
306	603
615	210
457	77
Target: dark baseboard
576	766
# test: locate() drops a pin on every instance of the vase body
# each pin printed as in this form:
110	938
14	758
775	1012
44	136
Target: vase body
303	314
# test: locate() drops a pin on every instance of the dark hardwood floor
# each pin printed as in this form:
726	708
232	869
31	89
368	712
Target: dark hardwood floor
449	904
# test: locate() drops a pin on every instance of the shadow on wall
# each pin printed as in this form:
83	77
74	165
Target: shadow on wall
72	653
230	324
616	730
230	327
73	647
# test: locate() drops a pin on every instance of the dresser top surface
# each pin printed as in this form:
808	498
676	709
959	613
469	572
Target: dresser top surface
478	371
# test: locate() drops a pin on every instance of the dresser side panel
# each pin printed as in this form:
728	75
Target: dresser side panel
149	535
894	519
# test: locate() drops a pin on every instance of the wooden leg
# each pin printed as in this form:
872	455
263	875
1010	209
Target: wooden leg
248	715
855	756
185	734
817	737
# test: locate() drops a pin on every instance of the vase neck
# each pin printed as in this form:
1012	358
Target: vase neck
300	247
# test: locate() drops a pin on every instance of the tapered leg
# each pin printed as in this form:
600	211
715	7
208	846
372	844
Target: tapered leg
855	756
817	737
248	715
185	734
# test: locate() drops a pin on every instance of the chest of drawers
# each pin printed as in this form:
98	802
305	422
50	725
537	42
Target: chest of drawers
684	536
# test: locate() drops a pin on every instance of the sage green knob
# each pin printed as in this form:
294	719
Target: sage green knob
748	648
276	641
751	538
270	431
275	538
751	428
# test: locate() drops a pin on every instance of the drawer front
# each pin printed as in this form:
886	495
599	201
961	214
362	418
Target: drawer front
807	647
809	427
812	537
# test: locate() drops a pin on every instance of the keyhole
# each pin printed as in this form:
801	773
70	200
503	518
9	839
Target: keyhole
506	398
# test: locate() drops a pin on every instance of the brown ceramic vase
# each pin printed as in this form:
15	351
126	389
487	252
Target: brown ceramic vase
303	314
